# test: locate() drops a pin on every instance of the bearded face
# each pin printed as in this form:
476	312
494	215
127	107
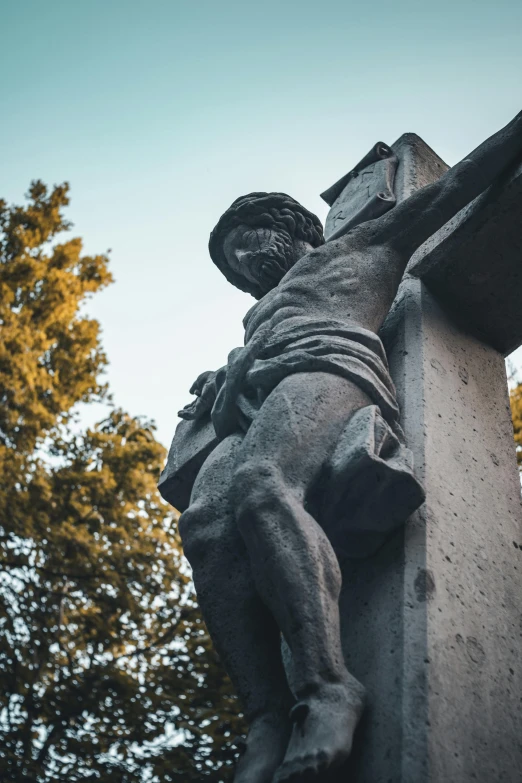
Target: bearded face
261	255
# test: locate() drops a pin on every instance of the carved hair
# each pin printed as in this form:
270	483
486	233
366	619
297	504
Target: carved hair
263	210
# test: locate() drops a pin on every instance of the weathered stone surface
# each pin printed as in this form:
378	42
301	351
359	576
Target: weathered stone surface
432	624
191	445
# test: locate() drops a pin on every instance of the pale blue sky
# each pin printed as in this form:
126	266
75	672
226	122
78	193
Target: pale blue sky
160	112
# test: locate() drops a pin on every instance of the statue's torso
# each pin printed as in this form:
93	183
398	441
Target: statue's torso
347	281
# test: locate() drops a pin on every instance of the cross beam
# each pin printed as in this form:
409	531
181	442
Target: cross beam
474	265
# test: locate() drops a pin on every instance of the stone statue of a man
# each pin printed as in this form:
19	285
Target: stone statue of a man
308	434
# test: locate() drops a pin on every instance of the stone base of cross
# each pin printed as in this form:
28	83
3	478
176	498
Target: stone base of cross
433	622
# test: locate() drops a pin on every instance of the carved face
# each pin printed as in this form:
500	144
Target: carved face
262	255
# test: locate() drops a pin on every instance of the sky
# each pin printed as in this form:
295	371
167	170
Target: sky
159	113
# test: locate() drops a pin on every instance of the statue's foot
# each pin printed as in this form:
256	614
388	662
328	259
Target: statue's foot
264	748
322	735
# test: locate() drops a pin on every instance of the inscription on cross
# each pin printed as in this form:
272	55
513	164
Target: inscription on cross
365	193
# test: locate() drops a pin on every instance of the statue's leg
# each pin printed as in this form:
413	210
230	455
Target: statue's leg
294	566
242	629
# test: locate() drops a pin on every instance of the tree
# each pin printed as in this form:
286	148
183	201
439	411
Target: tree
106	669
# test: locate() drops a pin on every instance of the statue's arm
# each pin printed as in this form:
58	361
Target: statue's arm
418	217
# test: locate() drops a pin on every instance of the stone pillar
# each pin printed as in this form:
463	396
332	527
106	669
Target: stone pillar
432	624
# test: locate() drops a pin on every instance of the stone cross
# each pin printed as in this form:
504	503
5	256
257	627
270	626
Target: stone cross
433	623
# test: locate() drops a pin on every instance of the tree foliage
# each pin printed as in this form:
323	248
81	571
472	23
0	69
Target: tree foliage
106	669
515	400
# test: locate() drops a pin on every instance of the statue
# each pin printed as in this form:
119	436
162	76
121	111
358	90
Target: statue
308	457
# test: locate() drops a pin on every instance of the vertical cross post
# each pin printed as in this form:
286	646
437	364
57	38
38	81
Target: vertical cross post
432	624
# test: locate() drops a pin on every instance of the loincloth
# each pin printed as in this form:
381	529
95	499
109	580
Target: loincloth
254	371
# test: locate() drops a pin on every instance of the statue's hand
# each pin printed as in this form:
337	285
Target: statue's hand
205	389
201	381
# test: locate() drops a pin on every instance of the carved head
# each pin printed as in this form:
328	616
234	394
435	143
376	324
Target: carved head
260	237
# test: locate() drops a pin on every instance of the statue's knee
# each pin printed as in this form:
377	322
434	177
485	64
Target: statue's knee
258	486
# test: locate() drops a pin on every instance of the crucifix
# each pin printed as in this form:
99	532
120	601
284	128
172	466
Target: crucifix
295	474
